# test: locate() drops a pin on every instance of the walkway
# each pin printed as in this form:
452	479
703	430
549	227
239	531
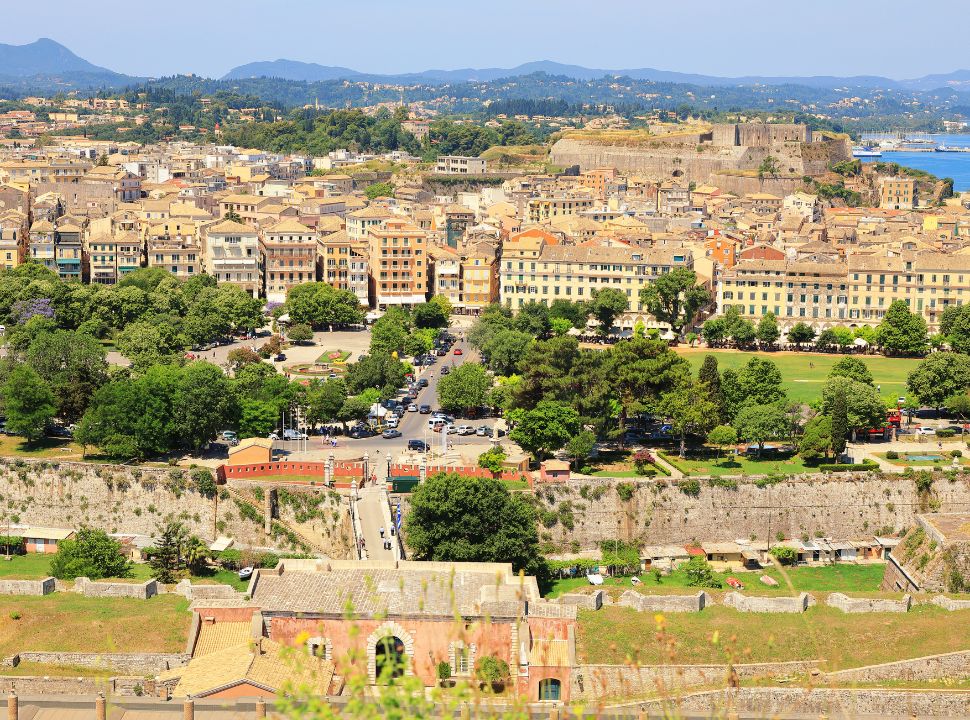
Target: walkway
374	514
930	446
675	474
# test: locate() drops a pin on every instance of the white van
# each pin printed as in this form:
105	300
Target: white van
435	424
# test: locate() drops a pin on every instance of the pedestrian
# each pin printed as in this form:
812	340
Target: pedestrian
382	531
392	531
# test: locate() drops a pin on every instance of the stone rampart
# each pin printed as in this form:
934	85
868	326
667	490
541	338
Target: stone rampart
600	682
868	605
954	665
133	663
142	591
205	592
844	505
584	601
664	603
948	603
761	604
27	587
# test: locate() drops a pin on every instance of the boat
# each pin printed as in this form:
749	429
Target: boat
861	152
951	149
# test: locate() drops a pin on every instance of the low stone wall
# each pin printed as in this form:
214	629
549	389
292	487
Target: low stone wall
954	665
33	685
843	703
27	587
868	605
132	663
584	601
950	604
142	591
205	592
600	682
757	604
664	603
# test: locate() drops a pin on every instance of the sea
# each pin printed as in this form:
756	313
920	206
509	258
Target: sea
951	165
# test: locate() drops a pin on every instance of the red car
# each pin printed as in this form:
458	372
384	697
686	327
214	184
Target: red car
457	351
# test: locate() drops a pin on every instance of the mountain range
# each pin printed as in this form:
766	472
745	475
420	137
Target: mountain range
46	61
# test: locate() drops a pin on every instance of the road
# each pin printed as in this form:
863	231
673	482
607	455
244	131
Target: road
371	505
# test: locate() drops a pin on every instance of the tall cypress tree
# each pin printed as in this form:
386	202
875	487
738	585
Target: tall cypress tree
840	422
709	375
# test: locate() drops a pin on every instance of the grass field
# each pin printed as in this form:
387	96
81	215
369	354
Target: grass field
823	578
840	640
37	565
67	622
738	465
805	373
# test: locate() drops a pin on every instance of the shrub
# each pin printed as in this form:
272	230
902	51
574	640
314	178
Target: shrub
945	433
444	670
892	455
923	480
268	560
625	490
784	554
230	559
15	615
700	574
864	465
690	487
956	453
204	483
642	460
90	553
491	669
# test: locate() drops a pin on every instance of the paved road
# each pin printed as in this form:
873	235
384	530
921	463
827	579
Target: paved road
371	510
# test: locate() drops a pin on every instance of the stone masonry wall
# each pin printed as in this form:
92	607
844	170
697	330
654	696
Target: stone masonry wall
664	603
598	682
950	604
27	587
142	591
758	604
844	505
867	605
133	663
120	498
933	667
584	601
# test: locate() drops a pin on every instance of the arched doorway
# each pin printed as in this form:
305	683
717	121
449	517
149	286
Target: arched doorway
550	689
389	658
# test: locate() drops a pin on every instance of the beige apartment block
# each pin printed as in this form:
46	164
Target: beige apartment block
398	264
233	254
290	250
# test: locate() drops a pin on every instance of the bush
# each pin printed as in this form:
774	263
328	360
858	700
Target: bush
444	670
493	670
300	333
956	453
15	615
865	465
204	483
230	559
268	560
625	490
700	574
944	433
91	554
892	455
690	487
784	554
642	460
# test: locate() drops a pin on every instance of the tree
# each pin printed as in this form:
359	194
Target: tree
864	408
239	357
148	343
840	421
324	400
709	375
761	423
300	333
606	305
203	404
381	189
355	408
453	518
768	332
939	377
431	314
675	298
637	371
902	332
559	326
444	303
722	436
758	381
768	167
91	554
816	442
784	554
29	403
699	573
419	342
852	367
381	372
165	558
959	405
532	319
955	325
233	216
688	408
389	332
74	366
715	331
464	388
321	305
505	349
800	333
576	312
580	447
547	427
492	459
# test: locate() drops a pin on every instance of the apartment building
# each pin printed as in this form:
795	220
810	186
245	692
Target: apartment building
40	245
576	272
459	165
343	264
600	181
360	222
546	207
897	193
290	258
233	254
398	264
673	199
12	239
803	204
247	207
479	277
111	256
175	246
444	274
813	289
69	255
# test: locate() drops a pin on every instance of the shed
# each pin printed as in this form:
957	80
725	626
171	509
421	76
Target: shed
40	539
250	451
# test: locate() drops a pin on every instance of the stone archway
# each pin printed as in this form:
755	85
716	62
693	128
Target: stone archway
400	646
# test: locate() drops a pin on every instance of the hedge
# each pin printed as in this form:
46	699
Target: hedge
865	465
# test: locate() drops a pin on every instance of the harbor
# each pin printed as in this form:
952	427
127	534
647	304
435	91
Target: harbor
943	155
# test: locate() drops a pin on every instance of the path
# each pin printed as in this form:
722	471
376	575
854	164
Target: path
374	514
675	474
860	451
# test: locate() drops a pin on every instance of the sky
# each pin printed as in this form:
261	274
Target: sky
893	38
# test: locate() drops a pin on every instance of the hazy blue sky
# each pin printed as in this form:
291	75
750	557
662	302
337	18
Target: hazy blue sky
896	38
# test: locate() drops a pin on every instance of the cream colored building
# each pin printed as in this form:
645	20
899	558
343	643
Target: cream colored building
398	264
343	264
290	258
544	208
897	193
233	254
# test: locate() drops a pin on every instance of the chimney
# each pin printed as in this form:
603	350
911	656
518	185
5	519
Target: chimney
260	709
100	707
188	709
13	707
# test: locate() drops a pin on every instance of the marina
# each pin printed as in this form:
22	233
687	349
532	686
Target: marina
943	155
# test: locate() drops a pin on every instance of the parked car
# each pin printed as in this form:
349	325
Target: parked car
458	351
273	436
412	408
360	431
417	445
290	434
465	430
441	352
451	429
423	382
436	424
444	416
482	431
390	434
60	431
925	430
445	370
230	437
391	421
280	358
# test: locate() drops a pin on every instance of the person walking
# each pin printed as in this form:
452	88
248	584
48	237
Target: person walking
382	531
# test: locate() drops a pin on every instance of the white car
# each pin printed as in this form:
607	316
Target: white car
391	421
293	435
465	430
924	430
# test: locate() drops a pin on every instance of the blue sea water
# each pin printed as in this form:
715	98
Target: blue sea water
951	165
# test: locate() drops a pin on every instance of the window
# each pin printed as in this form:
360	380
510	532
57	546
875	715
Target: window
550	689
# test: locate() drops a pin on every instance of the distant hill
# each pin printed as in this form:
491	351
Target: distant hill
45	60
291	70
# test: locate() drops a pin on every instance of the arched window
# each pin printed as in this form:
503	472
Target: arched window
550	689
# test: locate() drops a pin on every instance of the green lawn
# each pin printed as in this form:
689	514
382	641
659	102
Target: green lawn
738	465
944	462
37	565
840	640
14	446
73	623
805	373
844	577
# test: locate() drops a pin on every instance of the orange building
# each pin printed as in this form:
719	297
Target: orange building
722	249
398	264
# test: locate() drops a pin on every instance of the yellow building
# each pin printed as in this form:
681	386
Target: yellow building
897	193
479	278
398	264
